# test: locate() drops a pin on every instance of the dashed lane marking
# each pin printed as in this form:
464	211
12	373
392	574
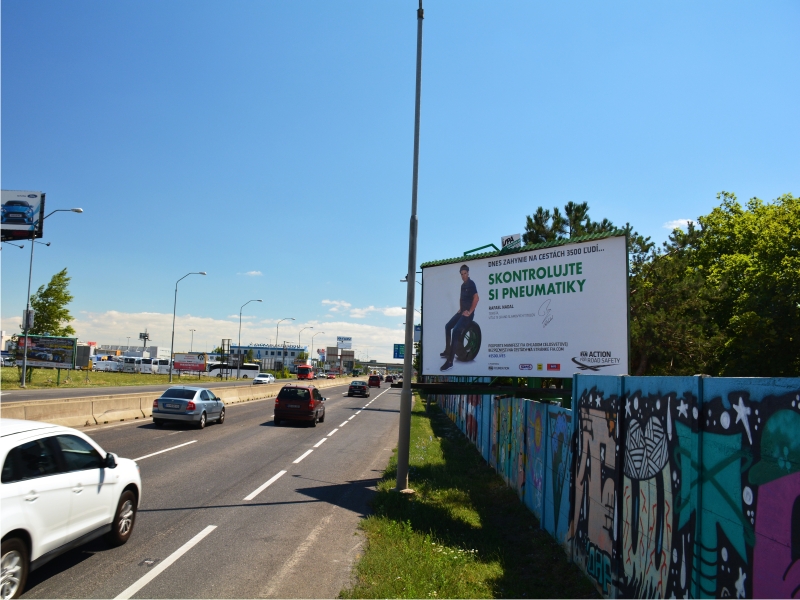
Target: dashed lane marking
302	456
319	443
161	567
165	450
264	486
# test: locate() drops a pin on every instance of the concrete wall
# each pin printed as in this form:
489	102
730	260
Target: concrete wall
657	486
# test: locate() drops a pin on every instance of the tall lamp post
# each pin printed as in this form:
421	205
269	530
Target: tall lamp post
276	335
239	361
312	343
191	344
298	337
174	307
404	436
28	301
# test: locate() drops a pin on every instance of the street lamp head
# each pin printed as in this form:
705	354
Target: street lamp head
259	300
77	210
202	273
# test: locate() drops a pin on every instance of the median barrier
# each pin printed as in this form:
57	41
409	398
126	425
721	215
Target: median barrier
82	412
117	408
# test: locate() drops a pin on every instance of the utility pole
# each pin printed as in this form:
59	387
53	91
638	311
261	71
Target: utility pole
404	438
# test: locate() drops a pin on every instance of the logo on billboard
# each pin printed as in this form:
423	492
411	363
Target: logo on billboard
33	195
510	241
539	367
525	367
553	367
594	360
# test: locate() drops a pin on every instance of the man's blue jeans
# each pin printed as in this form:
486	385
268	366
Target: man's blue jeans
457	325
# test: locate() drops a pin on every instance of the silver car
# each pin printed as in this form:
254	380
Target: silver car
194	405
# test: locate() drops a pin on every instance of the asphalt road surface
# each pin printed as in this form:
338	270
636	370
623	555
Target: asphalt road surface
240	510
59	393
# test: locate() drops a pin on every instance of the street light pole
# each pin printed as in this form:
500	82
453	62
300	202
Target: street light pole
298	336
404	437
312	343
174	307
276	337
28	301
191	344
239	361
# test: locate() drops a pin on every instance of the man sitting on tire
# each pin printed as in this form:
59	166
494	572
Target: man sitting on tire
454	330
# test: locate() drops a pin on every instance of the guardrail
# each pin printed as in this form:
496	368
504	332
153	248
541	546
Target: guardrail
94	410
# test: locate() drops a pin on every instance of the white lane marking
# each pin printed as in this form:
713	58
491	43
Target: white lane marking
319	443
358	411
302	456
343	424
264	486
161	567
351	418
332	432
166	450
296	557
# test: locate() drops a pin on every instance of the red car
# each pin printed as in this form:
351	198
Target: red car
374	381
299	403
331	376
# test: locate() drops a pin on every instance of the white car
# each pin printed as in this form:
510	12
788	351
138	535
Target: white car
263	378
59	490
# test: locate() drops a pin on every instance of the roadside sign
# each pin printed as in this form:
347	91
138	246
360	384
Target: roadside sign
190	361
417	333
48	351
399	351
345	343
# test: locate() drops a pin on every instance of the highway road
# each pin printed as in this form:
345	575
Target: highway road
19	395
240	510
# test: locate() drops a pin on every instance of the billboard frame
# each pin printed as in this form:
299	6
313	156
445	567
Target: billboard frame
468	257
23	234
45	364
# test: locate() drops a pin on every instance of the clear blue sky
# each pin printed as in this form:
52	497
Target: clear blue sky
276	138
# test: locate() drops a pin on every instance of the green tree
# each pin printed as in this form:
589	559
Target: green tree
670	327
49	303
751	257
544	226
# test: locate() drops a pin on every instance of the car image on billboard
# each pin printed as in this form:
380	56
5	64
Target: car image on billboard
20	213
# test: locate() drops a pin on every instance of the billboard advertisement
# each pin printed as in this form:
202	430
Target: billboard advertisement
550	312
195	361
20	214
399	351
48	351
344	342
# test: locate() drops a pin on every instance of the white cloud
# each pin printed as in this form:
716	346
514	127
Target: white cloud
337	305
252	273
114	327
394	311
678	224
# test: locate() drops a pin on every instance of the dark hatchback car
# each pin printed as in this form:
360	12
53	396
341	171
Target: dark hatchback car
358	388
299	403
374	381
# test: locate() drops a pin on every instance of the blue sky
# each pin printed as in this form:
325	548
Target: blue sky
270	144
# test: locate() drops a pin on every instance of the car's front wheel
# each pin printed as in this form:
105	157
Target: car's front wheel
15	568
124	518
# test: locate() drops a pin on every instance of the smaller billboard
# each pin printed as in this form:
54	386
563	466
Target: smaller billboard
48	351
399	351
190	361
344	342
21	214
417	333
510	241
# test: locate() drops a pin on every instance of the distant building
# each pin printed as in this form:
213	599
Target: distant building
270	356
115	350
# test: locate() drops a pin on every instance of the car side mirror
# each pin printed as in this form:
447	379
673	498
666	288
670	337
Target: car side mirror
110	462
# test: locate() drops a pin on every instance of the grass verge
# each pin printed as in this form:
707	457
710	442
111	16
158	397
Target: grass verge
464	534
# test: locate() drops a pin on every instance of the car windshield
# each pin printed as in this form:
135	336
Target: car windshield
294	394
17	203
357	383
179	393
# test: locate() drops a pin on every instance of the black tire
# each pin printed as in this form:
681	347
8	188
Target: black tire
124	519
314	420
221	419
202	423
349	394
15	568
158	422
322	420
244	376
469	345
277	422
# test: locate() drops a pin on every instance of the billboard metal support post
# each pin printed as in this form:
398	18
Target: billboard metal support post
404	438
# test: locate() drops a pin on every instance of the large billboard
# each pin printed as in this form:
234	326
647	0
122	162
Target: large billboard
48	351
188	361
343	342
20	214
551	312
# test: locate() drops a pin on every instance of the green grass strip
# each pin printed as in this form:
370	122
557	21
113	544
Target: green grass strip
463	534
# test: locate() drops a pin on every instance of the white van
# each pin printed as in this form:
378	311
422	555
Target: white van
129	364
163	366
148	365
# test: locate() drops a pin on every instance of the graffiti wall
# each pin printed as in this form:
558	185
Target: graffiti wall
661	487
